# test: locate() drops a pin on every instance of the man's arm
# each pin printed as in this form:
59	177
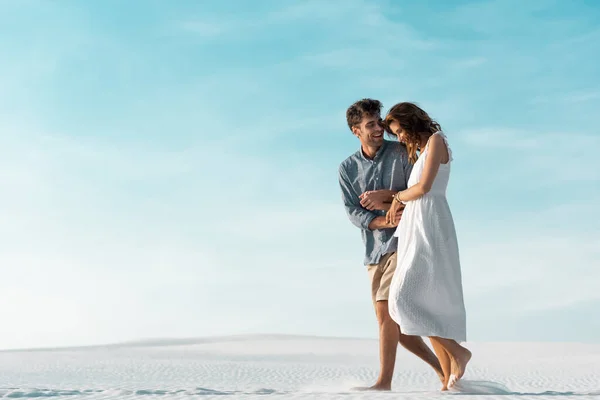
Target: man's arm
377	199
379	222
358	216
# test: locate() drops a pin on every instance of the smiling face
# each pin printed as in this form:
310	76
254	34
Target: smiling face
397	130
411	125
370	131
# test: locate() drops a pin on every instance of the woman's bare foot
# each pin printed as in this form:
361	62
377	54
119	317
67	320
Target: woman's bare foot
441	376
459	364
445	383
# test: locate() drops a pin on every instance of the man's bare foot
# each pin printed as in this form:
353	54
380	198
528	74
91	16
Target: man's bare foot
459	365
375	387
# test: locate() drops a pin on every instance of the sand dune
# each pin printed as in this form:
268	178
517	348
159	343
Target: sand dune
289	367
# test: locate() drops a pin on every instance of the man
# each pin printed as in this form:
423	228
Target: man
368	180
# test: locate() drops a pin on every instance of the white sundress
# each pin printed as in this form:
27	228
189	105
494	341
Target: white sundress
426	295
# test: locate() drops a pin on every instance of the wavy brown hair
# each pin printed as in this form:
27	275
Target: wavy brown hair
361	109
415	122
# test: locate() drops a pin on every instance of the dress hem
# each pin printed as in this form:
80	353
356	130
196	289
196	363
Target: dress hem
457	339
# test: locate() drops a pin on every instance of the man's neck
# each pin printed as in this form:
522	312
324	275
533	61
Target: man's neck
370	152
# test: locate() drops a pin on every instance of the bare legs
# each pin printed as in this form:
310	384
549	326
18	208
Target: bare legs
389	336
417	346
458	355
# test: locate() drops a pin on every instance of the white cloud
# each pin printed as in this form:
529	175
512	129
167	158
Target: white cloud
469	63
583	97
482	16
495	138
538	251
204	28
127	230
352	58
342	20
528	273
572	98
358	11
541	159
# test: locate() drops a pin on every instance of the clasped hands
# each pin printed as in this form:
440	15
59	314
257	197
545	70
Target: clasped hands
383	200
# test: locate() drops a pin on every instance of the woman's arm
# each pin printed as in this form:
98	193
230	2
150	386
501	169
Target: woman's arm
436	153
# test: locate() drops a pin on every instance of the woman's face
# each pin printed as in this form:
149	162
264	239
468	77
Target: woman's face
397	130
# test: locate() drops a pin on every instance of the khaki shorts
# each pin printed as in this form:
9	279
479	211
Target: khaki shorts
381	275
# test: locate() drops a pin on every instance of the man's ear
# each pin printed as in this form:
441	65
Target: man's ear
356	130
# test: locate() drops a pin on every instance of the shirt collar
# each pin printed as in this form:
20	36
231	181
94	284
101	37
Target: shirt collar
378	155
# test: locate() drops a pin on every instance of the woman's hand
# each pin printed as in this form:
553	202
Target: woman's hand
392	217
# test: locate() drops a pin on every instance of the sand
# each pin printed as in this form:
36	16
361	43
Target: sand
290	367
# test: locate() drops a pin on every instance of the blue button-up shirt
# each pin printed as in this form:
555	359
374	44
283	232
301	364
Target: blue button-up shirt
389	169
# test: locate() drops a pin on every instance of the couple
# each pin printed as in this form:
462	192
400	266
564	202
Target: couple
398	200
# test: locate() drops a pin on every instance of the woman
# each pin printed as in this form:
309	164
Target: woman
426	297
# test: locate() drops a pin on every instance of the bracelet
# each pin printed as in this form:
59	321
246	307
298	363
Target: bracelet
397	197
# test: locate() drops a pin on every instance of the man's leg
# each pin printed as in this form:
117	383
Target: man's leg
388	344
388	330
389	336
389	333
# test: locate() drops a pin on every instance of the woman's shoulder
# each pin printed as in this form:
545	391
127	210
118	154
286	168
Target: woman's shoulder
441	135
438	137
439	140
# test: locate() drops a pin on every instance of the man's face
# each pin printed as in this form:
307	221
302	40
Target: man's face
370	131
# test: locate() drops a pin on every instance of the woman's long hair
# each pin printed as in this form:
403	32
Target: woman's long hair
415	122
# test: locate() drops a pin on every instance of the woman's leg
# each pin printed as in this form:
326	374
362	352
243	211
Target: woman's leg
444	359
417	346
459	356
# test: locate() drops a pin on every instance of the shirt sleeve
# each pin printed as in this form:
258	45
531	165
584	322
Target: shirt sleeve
358	215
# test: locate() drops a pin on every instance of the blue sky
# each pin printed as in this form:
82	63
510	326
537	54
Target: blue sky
169	169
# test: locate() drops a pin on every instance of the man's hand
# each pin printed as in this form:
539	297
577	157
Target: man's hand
394	213
376	199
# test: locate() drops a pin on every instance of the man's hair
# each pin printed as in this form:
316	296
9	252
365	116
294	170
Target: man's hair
362	108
